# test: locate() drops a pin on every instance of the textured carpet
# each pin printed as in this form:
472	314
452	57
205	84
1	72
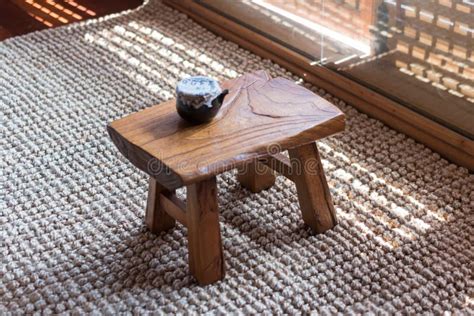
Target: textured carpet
72	237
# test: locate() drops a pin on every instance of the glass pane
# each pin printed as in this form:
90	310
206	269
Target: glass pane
419	53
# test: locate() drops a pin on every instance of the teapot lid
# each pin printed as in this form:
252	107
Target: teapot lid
198	86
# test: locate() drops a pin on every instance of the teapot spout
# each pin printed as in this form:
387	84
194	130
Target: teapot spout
220	98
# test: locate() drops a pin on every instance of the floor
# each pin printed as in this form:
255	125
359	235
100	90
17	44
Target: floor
18	17
72	235
73	240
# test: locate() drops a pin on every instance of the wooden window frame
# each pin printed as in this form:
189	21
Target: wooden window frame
450	144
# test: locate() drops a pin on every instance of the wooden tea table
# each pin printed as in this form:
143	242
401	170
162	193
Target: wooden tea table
260	118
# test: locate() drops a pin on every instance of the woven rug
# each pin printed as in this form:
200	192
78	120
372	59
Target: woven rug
72	237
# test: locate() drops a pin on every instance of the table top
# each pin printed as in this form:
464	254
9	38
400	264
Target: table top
260	116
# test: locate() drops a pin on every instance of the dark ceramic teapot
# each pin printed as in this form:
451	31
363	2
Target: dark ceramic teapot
199	98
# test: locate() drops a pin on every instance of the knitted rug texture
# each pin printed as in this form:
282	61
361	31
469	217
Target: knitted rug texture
72	236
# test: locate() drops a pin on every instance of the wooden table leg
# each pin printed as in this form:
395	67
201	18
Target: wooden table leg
206	261
156	219
313	191
255	176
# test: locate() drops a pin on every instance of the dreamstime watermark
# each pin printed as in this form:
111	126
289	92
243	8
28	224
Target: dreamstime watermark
272	158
